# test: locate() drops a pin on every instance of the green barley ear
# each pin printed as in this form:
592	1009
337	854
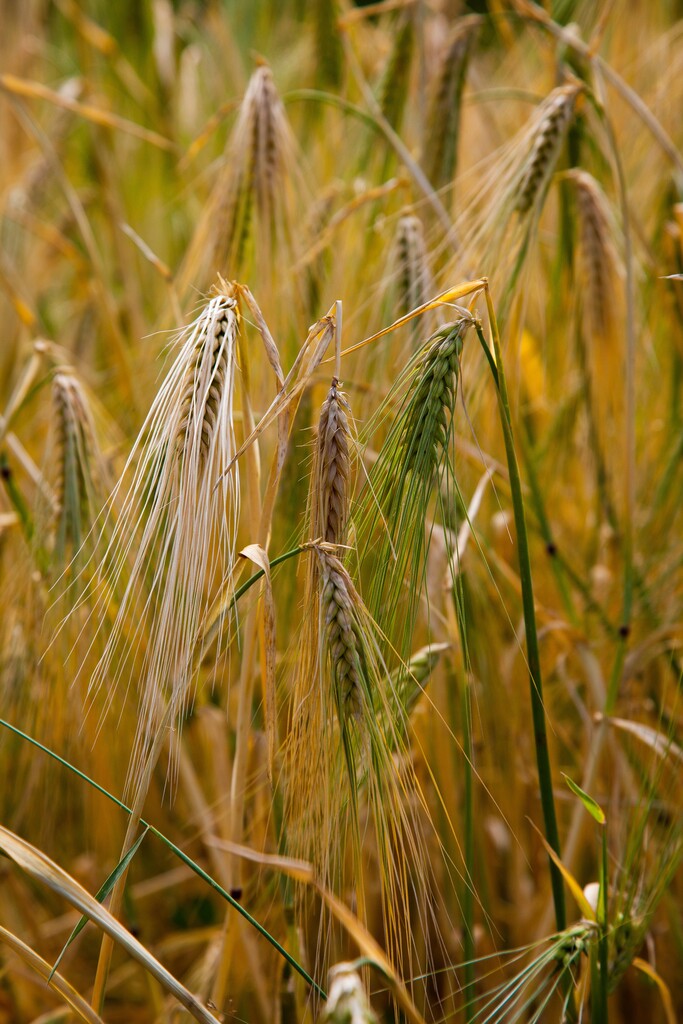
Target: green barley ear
535	977
651	842
443	120
173	544
412	462
252	202
410	679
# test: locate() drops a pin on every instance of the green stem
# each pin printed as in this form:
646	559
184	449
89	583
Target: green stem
468	892
601	996
533	656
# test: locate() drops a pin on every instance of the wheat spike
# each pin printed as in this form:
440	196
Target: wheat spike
347	723
341	637
204	383
347	719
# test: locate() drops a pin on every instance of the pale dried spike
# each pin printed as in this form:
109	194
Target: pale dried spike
555	115
262	129
332	469
205	380
178	518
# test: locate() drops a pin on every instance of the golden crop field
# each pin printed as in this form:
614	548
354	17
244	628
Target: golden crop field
341	474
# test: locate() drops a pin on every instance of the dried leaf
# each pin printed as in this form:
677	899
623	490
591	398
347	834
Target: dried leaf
45	871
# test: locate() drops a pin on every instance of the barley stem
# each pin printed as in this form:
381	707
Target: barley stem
533	654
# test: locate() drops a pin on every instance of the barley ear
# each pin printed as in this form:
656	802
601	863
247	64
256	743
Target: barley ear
251	204
332	469
443	119
178	518
410	267
554	118
76	462
413	460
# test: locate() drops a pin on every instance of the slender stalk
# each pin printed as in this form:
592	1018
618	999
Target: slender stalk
469	851
629	431
601	1007
533	656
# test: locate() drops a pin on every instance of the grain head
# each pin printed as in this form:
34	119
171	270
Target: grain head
411	273
174	542
549	131
251	204
332	469
443	120
413	459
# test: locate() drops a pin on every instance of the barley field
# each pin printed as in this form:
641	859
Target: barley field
341	474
